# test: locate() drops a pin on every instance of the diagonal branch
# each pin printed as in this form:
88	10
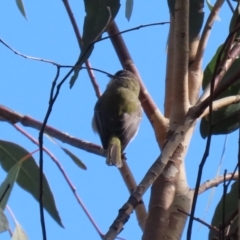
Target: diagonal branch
206	33
158	121
13	117
215	182
223	102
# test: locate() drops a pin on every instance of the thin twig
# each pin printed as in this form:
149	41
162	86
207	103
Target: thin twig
230	6
223	206
223	102
215	182
201	221
40	138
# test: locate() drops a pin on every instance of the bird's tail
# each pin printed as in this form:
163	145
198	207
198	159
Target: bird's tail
114	152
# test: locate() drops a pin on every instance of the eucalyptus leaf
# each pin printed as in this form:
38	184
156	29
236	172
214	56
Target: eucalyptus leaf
7	185
225	120
231	203
129	9
28	178
19	233
20	6
98	16
75	159
4	225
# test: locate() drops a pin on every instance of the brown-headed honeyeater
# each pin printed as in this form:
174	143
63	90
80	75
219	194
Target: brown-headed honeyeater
117	115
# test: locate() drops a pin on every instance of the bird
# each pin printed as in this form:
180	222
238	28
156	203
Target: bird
117	115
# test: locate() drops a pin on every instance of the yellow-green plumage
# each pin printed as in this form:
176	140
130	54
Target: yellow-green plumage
117	115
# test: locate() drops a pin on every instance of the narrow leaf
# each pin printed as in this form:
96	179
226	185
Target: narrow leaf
231	200
28	177
225	119
4	225
19	233
98	15
129	8
78	162
21	7
7	185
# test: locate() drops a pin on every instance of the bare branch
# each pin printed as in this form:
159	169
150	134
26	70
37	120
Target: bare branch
181	60
223	102
215	182
201	221
130	182
169	79
206	33
14	117
29	57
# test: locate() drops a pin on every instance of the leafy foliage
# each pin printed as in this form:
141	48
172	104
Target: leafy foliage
98	16
225	120
231	200
28	178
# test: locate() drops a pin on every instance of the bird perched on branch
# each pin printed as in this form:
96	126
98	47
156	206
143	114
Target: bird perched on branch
117	115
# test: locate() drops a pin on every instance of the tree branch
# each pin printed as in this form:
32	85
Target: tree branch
14	117
181	60
206	33
215	182
169	79
223	102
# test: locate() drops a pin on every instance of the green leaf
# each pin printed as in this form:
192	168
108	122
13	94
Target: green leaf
28	178
129	8
231	200
225	120
70	154
78	162
19	233
7	185
21	7
98	15
4	225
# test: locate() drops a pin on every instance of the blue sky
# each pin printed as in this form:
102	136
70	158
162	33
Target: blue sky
25	87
